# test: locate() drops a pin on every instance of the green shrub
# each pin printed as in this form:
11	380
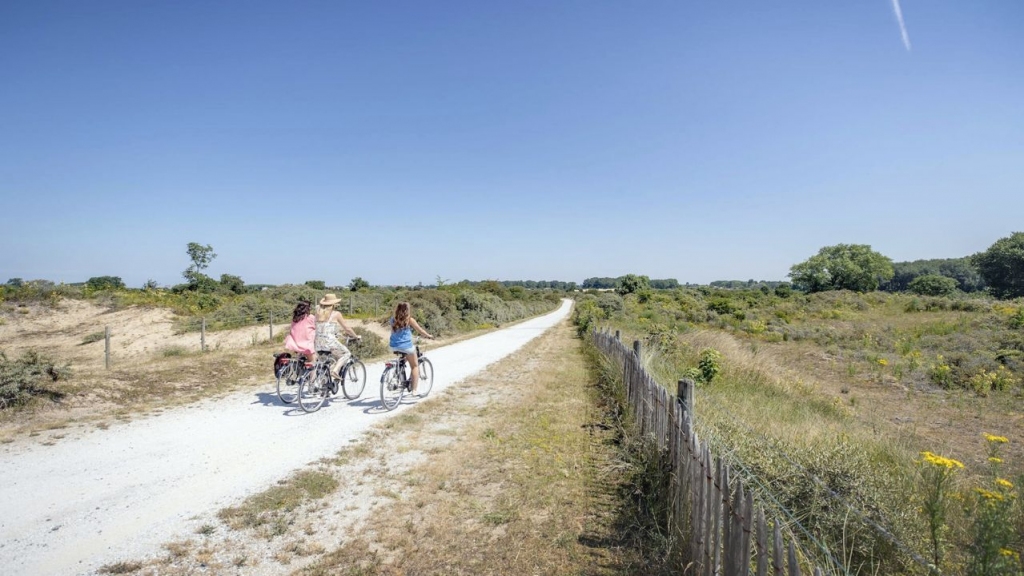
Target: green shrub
172	351
371	346
586	314
1017	320
783	290
722	305
932	285
710	364
22	378
104	283
94	337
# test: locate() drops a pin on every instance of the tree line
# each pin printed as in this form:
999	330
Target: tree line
605	283
856	267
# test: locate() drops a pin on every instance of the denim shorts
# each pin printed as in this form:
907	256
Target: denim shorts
410	350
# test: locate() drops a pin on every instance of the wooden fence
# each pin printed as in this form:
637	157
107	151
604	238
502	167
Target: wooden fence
716	527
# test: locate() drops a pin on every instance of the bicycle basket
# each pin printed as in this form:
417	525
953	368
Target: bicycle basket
280	361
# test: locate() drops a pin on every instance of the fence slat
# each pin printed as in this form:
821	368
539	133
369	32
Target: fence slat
762	544
778	562
794	566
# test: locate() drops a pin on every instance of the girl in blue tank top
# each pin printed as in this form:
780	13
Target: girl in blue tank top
402	325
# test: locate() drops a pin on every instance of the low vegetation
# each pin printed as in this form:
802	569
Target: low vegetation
27	376
811	395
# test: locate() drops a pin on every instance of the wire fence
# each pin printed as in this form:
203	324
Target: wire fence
701	484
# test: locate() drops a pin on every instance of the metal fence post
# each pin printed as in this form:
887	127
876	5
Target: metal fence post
106	347
202	336
271	324
350	298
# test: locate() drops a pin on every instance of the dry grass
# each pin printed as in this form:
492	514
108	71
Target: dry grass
527	490
271	510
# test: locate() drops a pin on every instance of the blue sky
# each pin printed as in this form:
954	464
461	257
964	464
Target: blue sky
402	141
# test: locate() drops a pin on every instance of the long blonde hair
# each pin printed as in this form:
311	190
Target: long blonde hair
324	311
401	317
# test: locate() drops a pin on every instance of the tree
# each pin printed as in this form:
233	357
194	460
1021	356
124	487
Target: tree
932	285
232	283
104	283
959	269
631	283
357	284
150	285
316	284
201	256
15	282
842	267
1002	266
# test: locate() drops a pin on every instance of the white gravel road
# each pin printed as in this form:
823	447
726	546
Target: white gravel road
74	506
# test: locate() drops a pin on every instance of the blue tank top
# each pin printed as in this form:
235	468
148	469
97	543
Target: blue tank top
401	339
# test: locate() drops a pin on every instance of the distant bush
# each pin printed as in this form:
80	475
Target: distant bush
172	351
371	346
24	377
39	291
104	283
94	337
932	285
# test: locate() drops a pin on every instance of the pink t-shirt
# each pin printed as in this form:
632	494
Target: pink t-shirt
300	339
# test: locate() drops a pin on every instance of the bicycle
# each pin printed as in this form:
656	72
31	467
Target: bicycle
394	382
289	372
317	383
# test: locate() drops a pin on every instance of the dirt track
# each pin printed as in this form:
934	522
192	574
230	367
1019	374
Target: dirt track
67	509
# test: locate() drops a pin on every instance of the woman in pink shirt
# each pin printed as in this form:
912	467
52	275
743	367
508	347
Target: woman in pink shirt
300	339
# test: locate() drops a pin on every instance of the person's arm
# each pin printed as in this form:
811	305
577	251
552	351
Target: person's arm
341	322
416	325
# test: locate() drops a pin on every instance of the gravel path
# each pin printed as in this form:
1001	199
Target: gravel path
74	506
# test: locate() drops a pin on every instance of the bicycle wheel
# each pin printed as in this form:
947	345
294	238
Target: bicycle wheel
313	389
426	378
288	382
391	388
353	380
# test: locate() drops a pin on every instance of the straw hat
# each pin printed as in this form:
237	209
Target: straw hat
329	300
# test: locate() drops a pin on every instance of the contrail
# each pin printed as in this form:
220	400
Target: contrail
903	27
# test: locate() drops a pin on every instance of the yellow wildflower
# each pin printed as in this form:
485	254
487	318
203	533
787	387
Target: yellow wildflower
996	439
941	460
883	362
1003	483
995	460
988	494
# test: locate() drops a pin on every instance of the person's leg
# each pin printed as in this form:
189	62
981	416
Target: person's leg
342	354
414	370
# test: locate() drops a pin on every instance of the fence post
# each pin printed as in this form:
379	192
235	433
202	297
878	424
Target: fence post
685	396
106	347
636	348
202	336
618	335
375	312
349	304
271	324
